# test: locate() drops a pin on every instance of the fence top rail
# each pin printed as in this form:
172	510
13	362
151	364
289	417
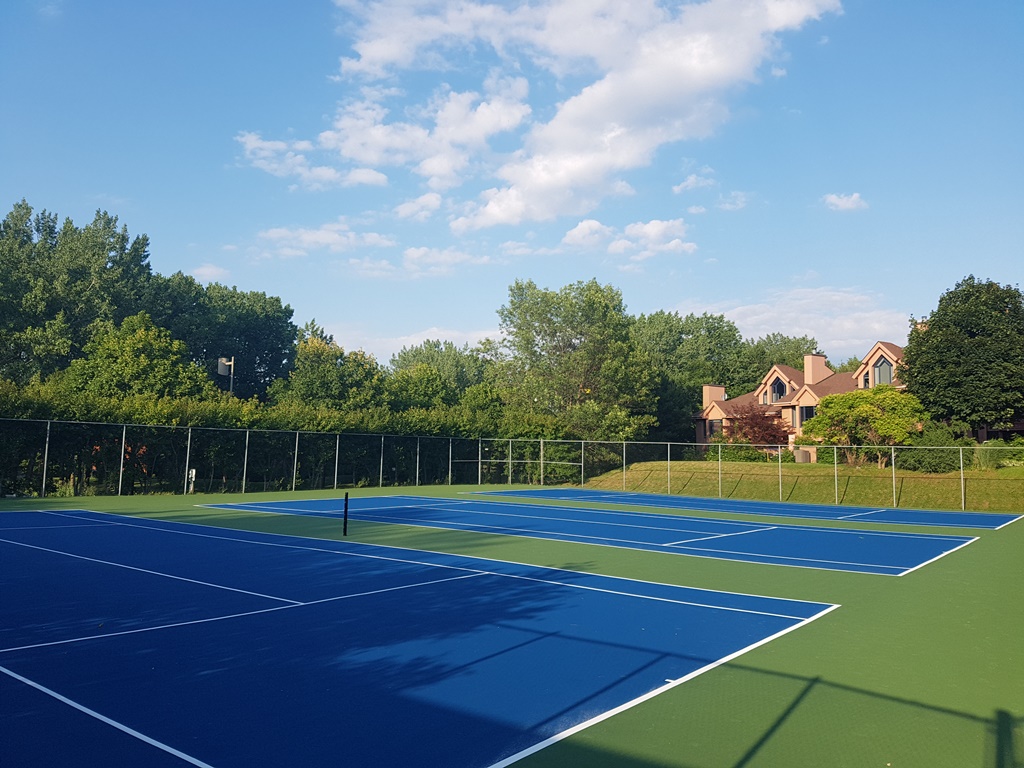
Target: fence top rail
553	441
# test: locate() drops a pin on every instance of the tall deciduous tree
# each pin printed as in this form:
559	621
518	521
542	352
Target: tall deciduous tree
456	369
326	376
57	282
135	358
965	361
569	353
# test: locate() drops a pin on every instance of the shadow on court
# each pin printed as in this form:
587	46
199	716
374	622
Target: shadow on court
742	717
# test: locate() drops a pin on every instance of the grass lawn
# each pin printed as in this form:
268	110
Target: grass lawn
991	490
921	670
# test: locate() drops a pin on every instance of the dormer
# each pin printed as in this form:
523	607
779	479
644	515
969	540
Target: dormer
879	366
778	385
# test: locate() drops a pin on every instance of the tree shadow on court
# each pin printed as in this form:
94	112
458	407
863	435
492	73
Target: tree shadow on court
743	717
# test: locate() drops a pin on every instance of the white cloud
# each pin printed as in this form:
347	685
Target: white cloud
419	209
589	233
287	159
844	321
210	273
436	261
439	139
694	181
852	202
696	210
333	236
366	176
736	201
641	74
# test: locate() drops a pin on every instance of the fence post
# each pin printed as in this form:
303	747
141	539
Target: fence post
417	462
245	461
583	476
337	458
479	461
892	454
668	463
542	461
780	472
381	481
295	461
449	461
963	487
188	458
510	462
623	465
836	470
46	460
120	474
719	470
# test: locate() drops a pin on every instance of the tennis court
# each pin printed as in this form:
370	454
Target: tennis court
132	641
837	549
928	517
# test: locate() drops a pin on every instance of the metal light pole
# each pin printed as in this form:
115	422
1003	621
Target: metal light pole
226	367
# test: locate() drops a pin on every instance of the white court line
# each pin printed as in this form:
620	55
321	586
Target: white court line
53	527
720	536
861	514
459	567
368	515
191	622
104	719
940	556
503	530
153	573
900	568
651	694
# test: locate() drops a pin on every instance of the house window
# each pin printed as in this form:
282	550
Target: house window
806	412
883	372
778	390
714	427
764	397
867	381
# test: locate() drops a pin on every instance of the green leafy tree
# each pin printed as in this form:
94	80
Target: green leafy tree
456	369
569	352
881	416
325	376
58	282
135	358
965	361
253	328
758	356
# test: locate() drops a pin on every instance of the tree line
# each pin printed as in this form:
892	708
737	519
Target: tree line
90	332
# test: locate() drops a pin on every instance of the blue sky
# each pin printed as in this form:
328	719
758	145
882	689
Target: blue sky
388	169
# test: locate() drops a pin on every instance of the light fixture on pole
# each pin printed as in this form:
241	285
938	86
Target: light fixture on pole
226	367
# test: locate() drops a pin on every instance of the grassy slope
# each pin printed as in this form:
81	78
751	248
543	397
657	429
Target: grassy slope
910	671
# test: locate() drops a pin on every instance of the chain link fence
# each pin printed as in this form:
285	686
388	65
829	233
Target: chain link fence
60	458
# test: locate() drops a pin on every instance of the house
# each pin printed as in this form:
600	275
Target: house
793	395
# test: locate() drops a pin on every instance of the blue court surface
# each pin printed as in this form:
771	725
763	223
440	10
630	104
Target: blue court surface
986	520
878	552
127	641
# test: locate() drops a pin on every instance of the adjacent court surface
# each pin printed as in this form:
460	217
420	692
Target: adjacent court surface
982	520
130	641
838	549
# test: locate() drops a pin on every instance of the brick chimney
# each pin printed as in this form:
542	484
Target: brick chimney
815	369
711	393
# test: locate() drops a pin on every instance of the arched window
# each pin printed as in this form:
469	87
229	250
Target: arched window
778	390
883	372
